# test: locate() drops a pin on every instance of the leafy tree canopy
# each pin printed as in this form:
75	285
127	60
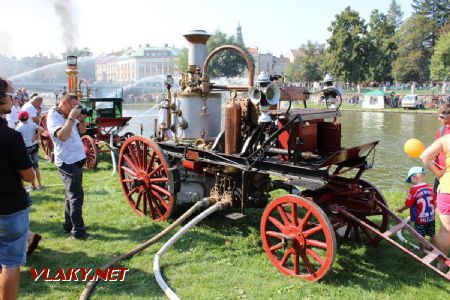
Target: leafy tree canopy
440	61
438	11
414	49
395	14
347	52
82	52
308	66
227	63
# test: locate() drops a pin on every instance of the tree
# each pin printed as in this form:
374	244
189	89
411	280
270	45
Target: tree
308	66
227	63
440	61
438	11
395	14
182	60
381	47
414	48
347	51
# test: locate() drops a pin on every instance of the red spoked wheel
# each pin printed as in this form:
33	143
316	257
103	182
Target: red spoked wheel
45	141
91	150
146	179
378	219
298	237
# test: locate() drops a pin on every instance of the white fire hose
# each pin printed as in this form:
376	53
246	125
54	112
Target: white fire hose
156	269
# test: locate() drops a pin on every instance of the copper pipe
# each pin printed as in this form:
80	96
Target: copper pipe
251	70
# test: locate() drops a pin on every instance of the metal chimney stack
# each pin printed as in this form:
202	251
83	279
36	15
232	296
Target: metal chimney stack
197	47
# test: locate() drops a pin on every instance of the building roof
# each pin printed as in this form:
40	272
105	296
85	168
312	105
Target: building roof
140	52
376	93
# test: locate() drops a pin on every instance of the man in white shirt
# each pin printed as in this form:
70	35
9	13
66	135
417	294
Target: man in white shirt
33	107
12	118
65	123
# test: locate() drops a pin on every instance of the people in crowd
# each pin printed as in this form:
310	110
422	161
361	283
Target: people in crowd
33	107
421	201
12	117
30	132
14	211
442	144
65	123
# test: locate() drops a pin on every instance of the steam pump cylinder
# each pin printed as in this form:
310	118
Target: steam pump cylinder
232	127
197	46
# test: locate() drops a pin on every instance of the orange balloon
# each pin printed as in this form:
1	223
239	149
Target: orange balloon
414	148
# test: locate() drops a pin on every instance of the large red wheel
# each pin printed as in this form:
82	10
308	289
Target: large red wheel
90	148
146	179
378	219
298	237
44	140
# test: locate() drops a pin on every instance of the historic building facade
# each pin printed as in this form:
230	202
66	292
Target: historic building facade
133	64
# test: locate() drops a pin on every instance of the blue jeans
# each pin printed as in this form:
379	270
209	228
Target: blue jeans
13	238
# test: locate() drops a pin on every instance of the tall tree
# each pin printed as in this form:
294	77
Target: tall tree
347	51
82	52
227	63
309	65
438	11
381	47
440	61
395	14
414	50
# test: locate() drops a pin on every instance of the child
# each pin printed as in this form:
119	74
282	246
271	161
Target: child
421	201
29	131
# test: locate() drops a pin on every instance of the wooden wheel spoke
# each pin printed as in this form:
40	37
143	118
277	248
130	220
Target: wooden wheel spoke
139	157
132	192
277	223
129	171
144	156
305	220
138	201
274	234
150	205
160	190
296	264
154	171
285	257
294	217
162	179
314	255
307	263
312	230
161	200
149	166
155	204
128	180
134	162
316	243
283	215
276	247
130	162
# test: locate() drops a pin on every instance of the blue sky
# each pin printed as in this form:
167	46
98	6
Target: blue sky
31	26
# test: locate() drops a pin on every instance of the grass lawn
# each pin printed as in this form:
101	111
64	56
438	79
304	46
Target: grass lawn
217	259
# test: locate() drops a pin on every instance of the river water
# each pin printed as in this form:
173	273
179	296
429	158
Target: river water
391	164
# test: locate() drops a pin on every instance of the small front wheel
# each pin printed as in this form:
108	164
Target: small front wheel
298	238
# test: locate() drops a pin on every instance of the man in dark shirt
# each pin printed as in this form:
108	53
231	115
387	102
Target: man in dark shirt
14	214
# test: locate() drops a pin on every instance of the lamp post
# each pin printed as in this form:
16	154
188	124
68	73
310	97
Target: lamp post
72	72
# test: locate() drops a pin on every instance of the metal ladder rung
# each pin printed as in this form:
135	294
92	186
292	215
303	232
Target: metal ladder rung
431	256
394	229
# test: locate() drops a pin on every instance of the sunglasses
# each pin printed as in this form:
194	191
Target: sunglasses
10	94
443	116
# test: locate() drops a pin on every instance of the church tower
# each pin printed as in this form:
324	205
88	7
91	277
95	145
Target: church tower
239	38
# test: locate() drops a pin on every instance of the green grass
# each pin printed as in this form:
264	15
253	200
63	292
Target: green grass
217	259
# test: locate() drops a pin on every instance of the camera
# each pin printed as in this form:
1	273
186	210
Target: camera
86	111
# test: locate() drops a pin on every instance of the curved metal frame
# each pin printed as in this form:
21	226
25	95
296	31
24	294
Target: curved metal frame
251	70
